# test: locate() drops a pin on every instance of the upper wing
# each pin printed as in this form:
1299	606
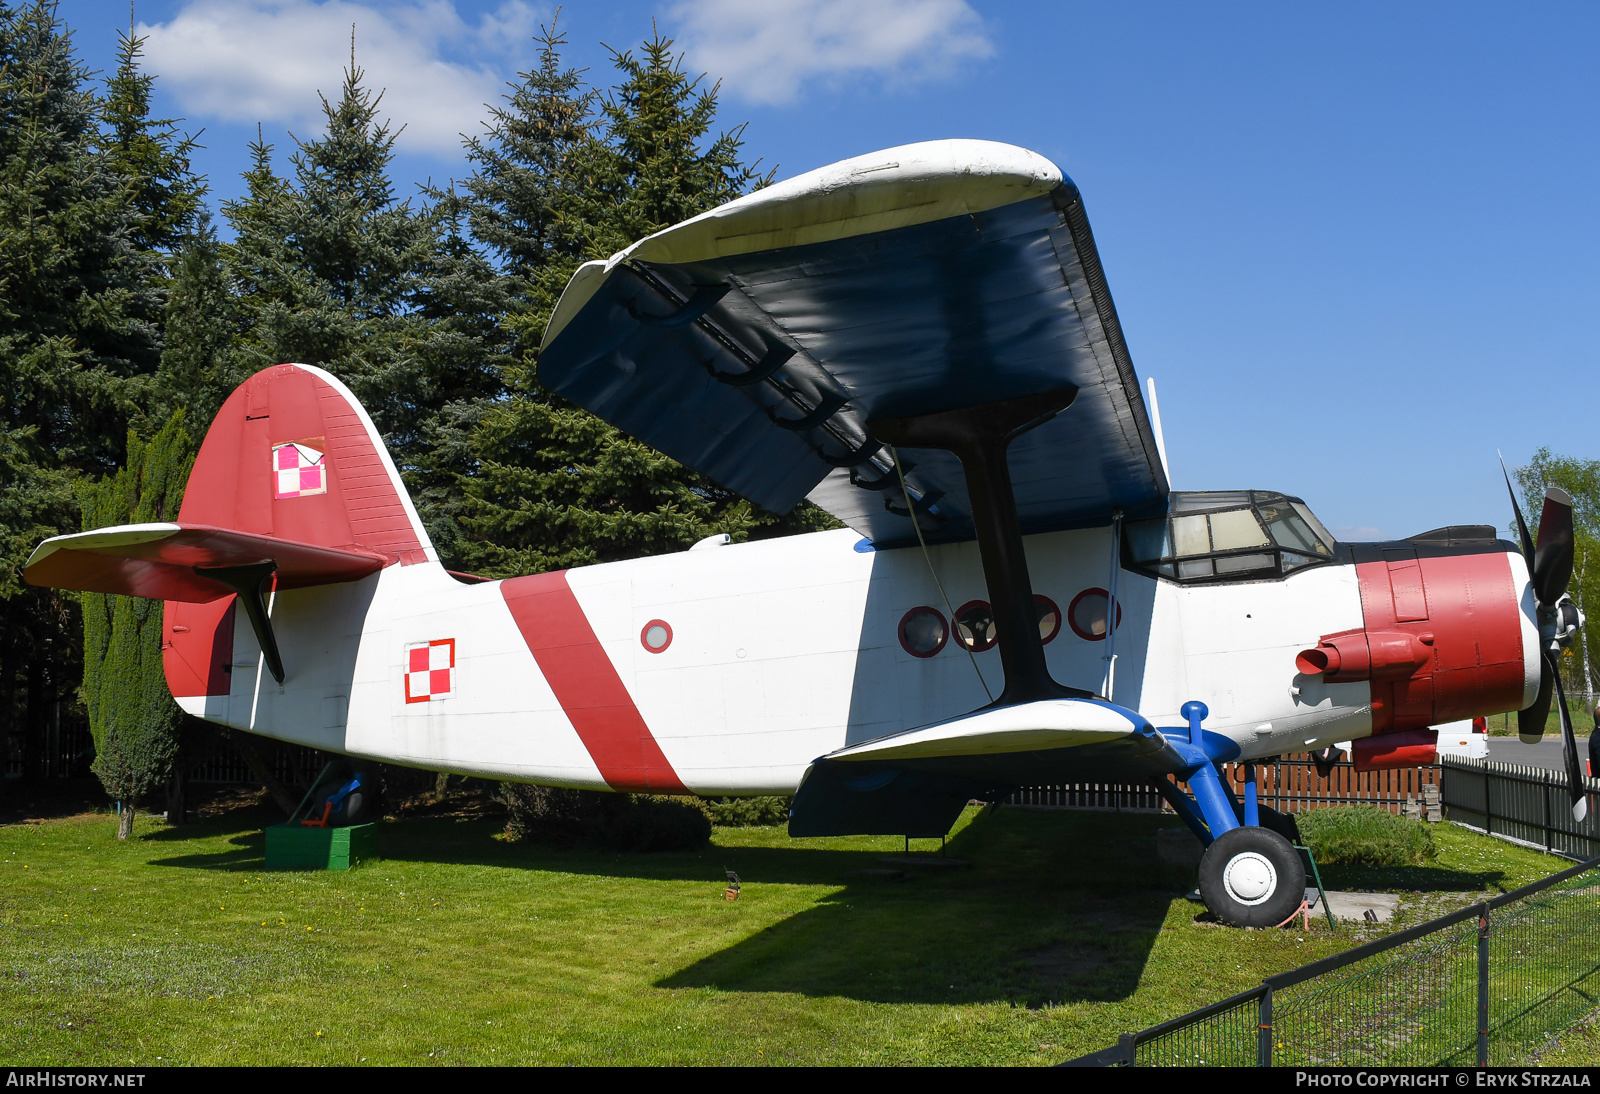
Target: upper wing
755	342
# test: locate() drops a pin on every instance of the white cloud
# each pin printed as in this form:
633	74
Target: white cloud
265	60
766	51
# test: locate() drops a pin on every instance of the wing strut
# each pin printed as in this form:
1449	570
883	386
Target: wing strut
979	436
251	582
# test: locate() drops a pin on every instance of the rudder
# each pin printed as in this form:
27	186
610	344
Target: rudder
292	454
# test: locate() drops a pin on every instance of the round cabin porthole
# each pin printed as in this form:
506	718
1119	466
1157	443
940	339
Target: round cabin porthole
656	636
974	626
923	632
1049	616
1086	615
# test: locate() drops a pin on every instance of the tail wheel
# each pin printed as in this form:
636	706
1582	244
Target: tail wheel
1252	877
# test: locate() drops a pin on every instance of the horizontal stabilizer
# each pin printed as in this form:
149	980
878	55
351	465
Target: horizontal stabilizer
168	561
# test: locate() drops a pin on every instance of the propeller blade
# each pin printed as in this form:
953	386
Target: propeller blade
1575	783
1531	720
1522	525
1552	562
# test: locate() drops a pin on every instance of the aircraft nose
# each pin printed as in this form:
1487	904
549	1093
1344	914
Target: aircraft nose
1445	636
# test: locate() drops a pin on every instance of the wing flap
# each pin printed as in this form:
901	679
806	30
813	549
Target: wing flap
159	561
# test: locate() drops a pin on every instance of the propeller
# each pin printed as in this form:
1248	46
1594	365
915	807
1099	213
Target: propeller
1550	567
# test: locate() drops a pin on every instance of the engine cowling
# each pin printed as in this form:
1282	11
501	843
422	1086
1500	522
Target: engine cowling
1367	655
1443	638
1407	748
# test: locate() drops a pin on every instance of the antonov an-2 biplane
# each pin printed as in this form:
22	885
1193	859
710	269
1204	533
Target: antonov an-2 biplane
920	341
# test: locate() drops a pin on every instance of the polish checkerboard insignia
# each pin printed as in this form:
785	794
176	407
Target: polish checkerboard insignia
431	670
298	471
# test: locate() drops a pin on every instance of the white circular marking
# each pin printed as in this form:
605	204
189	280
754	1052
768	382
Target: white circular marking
656	637
1249	878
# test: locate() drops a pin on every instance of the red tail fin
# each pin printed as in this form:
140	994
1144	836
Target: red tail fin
291	454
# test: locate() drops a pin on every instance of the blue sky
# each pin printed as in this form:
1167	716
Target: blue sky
1353	244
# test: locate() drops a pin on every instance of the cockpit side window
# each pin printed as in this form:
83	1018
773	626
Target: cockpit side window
1234	535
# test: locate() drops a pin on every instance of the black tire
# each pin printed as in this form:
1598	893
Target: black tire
1252	877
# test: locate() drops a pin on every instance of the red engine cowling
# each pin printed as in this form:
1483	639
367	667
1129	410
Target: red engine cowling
1408	748
1442	640
1367	655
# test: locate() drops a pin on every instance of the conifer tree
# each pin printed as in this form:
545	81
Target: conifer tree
198	366
131	713
150	161
333	270
648	171
149	158
554	186
69	332
74	330
520	194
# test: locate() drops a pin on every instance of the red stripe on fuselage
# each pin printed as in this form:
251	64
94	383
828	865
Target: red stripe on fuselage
587	686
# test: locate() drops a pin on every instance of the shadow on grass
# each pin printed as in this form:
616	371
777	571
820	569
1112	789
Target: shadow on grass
1055	908
248	849
1049	907
1415	879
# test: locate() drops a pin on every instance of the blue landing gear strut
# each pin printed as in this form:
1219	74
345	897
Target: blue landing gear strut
1250	876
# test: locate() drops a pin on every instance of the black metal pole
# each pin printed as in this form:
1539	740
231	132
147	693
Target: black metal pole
1483	985
1264	1029
1549	824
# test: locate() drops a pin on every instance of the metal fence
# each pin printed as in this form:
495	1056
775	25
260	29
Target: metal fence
1489	984
1290	785
1527	805
215	761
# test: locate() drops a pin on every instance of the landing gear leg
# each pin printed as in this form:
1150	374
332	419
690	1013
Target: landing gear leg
1249	876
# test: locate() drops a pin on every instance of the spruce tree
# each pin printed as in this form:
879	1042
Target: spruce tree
70	326
519	196
164	199
149	157
554	186
647	171
198	366
74	331
333	270
135	722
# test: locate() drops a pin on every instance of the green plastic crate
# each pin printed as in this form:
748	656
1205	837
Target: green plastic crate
299	848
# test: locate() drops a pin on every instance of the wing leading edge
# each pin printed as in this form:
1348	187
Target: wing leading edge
756	342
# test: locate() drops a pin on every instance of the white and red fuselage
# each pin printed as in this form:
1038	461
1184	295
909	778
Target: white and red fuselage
728	669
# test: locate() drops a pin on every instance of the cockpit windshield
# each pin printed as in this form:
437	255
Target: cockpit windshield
1227	535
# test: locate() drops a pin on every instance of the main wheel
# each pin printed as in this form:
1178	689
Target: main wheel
1252	877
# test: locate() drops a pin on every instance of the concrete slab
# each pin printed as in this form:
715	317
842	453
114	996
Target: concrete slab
1356	905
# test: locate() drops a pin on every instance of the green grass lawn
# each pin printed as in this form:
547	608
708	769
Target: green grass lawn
1505	725
459	948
